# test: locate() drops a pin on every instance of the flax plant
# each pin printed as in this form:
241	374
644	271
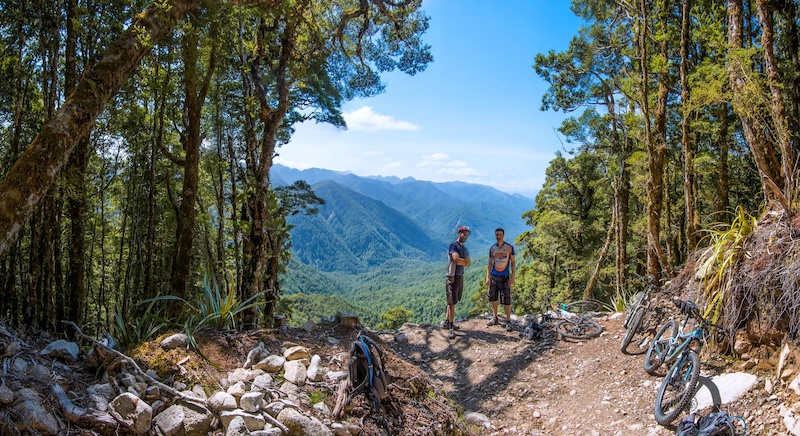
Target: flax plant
718	260
141	329
211	308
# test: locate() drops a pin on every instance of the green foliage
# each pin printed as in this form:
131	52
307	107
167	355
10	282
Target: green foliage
131	331
394	318
725	244
318	396
209	309
568	228
415	285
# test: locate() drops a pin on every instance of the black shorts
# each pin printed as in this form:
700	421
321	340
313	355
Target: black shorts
455	287
500	286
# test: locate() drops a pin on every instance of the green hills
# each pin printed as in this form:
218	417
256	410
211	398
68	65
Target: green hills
380	242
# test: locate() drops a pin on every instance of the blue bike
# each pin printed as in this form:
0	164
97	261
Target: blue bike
682	347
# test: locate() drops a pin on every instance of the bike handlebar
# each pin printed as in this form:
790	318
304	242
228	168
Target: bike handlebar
691	309
686	307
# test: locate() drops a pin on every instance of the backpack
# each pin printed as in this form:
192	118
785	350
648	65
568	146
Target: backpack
367	373
714	424
532	331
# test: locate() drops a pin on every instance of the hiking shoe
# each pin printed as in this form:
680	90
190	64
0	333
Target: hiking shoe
453	326
494	321
446	324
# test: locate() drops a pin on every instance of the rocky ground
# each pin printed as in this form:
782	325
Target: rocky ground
486	380
566	387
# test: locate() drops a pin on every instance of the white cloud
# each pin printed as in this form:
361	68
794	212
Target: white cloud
441	164
396	164
365	118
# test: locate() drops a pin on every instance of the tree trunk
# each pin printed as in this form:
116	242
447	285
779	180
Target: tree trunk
687	143
76	180
35	171
193	106
768	164
271	119
601	258
237	258
779	116
789	12
721	199
186	221
655	143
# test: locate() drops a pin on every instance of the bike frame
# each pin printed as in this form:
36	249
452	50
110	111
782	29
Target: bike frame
675	345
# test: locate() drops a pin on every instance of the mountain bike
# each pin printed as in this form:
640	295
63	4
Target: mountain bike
682	347
634	315
567	323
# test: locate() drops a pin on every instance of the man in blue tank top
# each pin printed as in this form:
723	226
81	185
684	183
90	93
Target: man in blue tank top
457	259
500	276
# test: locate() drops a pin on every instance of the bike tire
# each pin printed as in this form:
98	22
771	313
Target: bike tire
678	388
579	328
657	351
632	329
583	306
635	304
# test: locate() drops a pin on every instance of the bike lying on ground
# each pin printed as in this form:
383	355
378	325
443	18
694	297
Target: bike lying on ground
634	316
576	323
682	347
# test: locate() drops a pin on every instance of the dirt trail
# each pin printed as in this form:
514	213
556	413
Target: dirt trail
557	387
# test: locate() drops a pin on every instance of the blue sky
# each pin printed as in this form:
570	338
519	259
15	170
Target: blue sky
473	115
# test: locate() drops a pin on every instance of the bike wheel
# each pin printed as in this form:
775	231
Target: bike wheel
678	388
579	328
583	306
657	351
632	328
635	303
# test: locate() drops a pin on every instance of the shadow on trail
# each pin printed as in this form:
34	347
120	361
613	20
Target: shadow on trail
502	356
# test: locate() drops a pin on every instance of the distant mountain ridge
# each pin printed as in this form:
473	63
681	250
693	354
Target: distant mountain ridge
437	208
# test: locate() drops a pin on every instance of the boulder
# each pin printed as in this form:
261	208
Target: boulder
253	421
28	406
237	427
177	340
262	382
131	411
197	419
61	349
273	363
251	401
296	353
315	370
170	421
221	401
295	372
299	424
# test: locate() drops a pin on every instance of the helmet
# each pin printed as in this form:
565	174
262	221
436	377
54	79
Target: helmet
463	229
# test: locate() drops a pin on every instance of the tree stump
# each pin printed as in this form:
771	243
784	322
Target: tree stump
348	319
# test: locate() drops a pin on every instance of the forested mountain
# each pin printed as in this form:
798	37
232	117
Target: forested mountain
379	243
439	208
415	285
353	233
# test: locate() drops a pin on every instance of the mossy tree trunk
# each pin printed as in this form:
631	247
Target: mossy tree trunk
34	173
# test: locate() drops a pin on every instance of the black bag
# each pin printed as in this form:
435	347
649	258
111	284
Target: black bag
367	372
532	331
713	424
